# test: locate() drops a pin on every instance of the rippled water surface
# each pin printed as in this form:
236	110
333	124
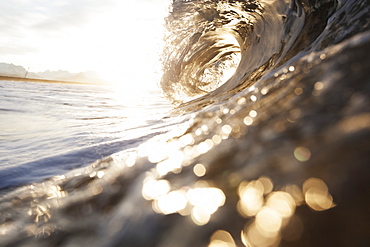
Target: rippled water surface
48	129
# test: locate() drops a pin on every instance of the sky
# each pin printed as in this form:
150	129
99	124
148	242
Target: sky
112	37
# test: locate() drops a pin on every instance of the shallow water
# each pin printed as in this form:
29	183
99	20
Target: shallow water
268	144
49	129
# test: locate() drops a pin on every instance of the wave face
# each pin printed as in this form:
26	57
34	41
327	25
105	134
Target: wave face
218	46
270	141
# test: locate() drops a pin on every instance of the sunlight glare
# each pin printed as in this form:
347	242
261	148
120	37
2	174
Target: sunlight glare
122	43
251	198
172	202
153	189
131	49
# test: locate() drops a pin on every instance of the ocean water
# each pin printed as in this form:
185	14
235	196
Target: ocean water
266	143
49	129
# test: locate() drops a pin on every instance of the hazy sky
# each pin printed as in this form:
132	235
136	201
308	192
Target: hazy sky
109	36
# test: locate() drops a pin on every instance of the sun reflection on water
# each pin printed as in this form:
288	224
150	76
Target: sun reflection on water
199	170
170	203
251	198
317	194
200	202
268	211
273	212
153	189
221	238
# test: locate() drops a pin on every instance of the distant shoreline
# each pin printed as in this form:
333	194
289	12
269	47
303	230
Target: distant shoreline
12	78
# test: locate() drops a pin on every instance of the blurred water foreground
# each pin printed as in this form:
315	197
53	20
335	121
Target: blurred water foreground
284	162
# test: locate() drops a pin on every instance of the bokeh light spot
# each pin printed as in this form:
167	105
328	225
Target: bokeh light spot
319	85
281	202
317	194
153	189
248	120
253	113
221	238
251	198
199	170
302	154
268	222
172	202
298	91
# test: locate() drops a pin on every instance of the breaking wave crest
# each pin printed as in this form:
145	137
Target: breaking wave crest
215	47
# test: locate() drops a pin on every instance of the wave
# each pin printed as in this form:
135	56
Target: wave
269	143
218	46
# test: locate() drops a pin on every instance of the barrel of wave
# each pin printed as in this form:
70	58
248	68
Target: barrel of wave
208	64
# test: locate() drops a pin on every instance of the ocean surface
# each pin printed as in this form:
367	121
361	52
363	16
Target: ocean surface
48	129
261	137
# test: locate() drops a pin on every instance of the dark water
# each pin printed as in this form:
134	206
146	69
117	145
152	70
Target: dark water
270	146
